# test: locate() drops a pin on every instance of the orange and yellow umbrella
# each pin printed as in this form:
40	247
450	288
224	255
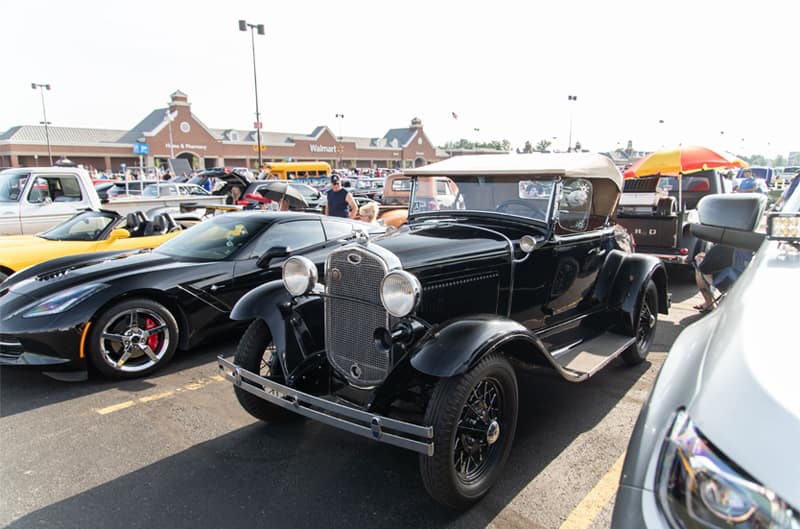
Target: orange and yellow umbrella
683	160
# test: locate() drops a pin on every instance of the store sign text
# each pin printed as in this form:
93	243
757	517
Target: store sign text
187	146
322	148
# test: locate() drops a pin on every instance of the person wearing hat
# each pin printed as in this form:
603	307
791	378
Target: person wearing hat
340	202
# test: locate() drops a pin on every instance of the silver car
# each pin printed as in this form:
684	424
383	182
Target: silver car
717	445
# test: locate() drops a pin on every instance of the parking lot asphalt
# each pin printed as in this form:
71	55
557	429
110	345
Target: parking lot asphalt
176	450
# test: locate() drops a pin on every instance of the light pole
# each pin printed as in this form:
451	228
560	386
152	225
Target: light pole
169	118
340	149
45	122
243	25
570	98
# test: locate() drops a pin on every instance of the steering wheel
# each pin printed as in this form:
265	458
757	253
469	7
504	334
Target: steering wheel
529	209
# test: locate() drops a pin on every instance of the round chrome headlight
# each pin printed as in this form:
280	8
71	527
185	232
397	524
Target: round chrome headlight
299	275
527	243
400	293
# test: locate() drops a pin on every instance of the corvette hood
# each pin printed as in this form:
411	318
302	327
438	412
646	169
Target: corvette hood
49	279
747	402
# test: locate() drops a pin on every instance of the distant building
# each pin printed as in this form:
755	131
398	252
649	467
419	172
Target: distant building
189	138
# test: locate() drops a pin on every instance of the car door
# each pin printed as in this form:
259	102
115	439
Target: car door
50	199
579	252
299	236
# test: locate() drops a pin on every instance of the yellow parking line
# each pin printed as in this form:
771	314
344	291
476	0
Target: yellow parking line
587	510
116	407
191	386
157	396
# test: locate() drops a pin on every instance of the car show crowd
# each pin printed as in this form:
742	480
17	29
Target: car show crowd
399	306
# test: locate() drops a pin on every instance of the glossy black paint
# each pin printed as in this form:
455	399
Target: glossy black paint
200	294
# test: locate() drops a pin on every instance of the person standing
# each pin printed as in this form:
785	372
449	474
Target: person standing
340	202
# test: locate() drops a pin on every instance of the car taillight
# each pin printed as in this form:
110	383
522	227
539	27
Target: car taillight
684	251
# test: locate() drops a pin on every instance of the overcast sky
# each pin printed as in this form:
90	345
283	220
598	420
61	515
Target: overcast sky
717	73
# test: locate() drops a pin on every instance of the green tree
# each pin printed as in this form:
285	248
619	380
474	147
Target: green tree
779	161
543	146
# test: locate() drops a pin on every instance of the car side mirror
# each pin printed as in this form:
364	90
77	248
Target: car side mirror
119	233
272	253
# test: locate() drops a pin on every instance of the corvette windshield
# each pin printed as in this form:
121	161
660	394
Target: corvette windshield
87	226
214	239
11	184
513	195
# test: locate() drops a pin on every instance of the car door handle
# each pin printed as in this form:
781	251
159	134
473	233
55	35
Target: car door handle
599	252
214	288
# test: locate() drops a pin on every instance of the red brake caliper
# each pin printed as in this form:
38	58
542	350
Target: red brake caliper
152	340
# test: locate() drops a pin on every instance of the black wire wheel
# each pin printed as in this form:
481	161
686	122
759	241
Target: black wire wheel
645	325
474	417
132	338
256	353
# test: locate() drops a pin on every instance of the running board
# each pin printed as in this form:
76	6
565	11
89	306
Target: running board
584	359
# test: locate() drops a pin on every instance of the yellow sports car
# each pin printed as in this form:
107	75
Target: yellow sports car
87	231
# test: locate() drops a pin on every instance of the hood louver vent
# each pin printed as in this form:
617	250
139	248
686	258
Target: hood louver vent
53	275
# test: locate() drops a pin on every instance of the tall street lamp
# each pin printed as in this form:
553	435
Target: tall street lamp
243	25
169	116
340	149
570	98
45	122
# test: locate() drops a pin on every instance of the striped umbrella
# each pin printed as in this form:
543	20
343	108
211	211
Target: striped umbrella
683	160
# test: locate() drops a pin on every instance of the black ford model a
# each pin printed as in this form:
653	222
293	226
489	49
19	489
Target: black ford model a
413	339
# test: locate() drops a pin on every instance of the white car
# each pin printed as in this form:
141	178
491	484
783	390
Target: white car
170	189
716	444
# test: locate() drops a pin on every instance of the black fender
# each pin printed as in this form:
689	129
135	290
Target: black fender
273	304
454	347
632	277
258	302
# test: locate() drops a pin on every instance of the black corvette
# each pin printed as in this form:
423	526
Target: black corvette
126	314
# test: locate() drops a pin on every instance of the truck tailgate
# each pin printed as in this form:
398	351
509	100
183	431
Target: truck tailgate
658	232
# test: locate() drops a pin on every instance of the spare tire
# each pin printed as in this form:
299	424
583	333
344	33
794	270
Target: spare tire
667	207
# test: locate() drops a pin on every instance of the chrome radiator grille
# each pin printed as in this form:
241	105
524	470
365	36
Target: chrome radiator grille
353	311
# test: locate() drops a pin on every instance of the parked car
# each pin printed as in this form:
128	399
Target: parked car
658	212
171	189
414	339
766	174
87	231
438	190
225	177
127	314
715	445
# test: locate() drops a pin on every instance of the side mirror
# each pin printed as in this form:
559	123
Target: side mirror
119	233
272	253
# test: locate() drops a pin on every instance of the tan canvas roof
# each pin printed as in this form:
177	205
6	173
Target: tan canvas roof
573	165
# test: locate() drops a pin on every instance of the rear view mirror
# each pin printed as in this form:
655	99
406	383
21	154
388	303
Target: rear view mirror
272	253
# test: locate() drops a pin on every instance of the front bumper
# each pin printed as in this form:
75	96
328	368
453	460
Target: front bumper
672	258
636	508
384	429
45	348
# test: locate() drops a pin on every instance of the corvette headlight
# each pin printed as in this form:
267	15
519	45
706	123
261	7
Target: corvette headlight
64	300
698	487
400	293
299	275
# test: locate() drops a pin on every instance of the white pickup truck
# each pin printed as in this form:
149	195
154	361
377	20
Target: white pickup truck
33	199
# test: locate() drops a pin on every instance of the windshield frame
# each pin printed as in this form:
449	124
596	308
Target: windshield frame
22	175
553	181
102	235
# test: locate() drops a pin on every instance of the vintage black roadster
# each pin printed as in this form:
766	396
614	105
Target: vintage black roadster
414	339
